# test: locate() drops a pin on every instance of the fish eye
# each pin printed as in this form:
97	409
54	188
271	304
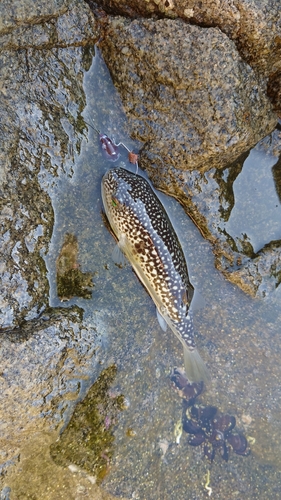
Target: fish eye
114	201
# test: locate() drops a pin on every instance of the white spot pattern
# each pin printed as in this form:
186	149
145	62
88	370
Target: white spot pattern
133	209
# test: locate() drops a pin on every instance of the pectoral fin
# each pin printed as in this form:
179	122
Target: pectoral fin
118	257
161	321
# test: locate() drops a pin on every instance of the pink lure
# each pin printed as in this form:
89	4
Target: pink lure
109	149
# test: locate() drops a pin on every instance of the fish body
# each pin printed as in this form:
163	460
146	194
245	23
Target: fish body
147	238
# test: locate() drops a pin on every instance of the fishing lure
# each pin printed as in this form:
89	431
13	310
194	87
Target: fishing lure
111	151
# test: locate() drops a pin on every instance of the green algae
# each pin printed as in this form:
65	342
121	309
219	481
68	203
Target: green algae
88	440
71	281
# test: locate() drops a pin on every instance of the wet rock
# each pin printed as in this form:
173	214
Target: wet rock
268	440
40	138
259	276
253	26
5	493
246	247
25	12
188	95
47	364
41	369
71	25
274	90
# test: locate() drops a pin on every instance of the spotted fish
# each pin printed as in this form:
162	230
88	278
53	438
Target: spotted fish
146	237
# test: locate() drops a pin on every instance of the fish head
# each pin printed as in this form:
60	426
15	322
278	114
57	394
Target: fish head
115	197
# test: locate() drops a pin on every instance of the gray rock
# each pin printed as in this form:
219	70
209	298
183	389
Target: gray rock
244	226
42	68
254	260
48	364
274	90
24	12
254	26
188	95
5	493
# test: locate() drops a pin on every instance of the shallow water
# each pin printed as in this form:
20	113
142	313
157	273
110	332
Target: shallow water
237	336
256	215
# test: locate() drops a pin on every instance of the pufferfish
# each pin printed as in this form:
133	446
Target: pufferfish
147	238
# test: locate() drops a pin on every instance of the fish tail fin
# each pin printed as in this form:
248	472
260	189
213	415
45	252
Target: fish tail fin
195	368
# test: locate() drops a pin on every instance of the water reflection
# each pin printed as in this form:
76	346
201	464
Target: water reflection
241	202
225	178
255	217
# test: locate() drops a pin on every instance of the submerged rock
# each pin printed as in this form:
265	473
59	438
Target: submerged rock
41	372
88	440
71	281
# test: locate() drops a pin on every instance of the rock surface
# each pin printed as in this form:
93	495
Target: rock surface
187	93
254	26
23	13
42	67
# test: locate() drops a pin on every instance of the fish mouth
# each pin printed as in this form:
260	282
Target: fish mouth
109	182
109	188
112	184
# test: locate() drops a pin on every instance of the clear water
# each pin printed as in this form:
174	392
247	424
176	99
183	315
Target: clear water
256	215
